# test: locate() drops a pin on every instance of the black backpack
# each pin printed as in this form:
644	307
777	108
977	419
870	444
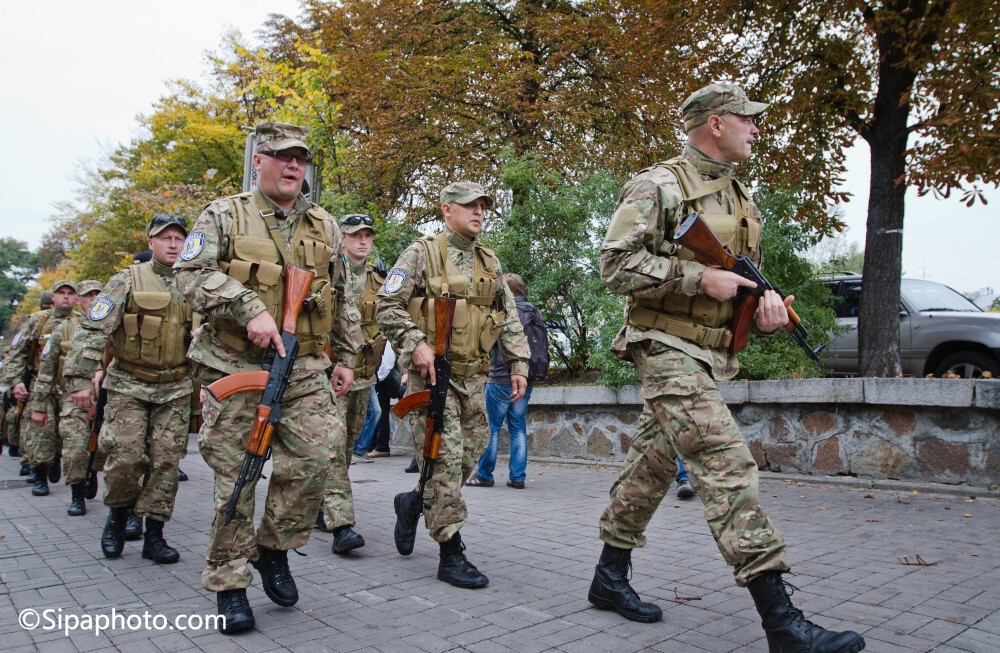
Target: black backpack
538	341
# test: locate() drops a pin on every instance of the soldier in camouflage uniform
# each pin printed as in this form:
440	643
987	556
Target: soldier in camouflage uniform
146	417
71	420
13	425
485	312
676	334
40	443
232	271
358	232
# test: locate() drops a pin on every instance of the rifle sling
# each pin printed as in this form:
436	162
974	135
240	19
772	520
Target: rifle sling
699	334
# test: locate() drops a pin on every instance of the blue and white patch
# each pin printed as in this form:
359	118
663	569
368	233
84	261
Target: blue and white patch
193	244
47	348
395	280
16	339
102	306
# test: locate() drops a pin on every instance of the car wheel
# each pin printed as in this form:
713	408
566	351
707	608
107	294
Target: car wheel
968	365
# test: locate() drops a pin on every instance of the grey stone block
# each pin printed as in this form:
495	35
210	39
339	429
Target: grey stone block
734	392
987	393
919	392
548	396
589	395
807	391
629	395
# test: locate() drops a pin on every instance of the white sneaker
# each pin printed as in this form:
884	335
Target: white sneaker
362	458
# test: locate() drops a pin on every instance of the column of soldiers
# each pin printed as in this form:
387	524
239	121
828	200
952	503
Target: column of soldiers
231	268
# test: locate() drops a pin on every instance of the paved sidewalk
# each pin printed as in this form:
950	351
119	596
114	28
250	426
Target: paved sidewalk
539	547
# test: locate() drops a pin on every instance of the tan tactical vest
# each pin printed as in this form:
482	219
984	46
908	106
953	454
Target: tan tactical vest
257	256
66	331
476	326
151	342
700	318
371	353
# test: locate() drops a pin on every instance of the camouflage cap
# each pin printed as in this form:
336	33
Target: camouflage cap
90	285
279	136
64	283
45	299
352	223
463	192
161	222
716	100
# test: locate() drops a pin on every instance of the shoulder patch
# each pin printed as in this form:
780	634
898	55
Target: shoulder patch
17	339
193	244
47	348
102	306
395	280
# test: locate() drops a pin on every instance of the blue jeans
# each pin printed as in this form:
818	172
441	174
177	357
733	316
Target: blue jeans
498	408
363	443
682	475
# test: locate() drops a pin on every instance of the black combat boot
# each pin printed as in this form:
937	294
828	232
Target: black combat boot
13	450
274	574
412	468
235	609
26	470
345	539
181	476
408	511
133	527
787	630
41	488
55	470
77	505
610	588
320	522
90	486
113	537
455	569
154	547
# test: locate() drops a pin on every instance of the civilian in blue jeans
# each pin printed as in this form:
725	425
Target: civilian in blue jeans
499	407
684	488
364	441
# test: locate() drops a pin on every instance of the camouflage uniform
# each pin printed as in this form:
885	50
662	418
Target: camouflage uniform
466	430
302	444
40	445
684	414
338	500
145	421
72	423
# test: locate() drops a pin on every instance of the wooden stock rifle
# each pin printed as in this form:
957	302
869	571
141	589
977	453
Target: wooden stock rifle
433	398
26	379
272	380
95	417
695	235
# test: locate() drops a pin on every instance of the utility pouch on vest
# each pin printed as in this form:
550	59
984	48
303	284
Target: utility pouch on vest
491	329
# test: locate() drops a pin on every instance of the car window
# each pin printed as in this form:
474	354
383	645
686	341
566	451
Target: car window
846	298
930	296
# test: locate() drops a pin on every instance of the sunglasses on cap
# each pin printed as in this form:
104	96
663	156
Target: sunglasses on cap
352	220
286	157
170	219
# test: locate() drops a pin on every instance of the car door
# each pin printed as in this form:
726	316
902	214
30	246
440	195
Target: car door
843	349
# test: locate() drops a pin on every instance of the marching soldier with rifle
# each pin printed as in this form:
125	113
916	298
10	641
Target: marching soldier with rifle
679	334
148	386
40	443
450	271
239	269
70	420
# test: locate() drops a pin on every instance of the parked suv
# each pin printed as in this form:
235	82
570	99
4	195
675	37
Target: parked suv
940	331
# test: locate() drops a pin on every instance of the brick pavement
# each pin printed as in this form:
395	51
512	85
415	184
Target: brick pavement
538	547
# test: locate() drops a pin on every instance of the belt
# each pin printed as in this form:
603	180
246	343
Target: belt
697	333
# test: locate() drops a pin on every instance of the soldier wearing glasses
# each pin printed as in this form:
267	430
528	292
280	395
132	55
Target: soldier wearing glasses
232	270
146	417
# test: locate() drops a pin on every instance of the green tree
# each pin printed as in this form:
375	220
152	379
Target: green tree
18	266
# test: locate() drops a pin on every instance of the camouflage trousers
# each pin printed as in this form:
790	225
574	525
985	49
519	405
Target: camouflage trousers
338	500
143	442
11	435
41	444
465	437
301	450
74	429
684	415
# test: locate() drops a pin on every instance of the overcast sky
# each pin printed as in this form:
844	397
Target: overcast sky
77	74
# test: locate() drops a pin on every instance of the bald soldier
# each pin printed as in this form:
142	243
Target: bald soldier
676	334
71	421
39	444
232	270
455	262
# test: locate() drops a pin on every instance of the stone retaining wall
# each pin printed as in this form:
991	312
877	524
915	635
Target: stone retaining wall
938	430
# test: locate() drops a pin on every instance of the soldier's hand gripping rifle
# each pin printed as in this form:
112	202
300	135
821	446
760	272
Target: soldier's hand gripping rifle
273	380
95	417
412	503
695	235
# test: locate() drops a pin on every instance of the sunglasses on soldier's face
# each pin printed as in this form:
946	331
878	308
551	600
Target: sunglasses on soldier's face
286	157
351	220
170	219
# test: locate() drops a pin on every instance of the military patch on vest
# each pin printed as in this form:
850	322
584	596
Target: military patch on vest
395	280
102	306
193	244
16	339
47	348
